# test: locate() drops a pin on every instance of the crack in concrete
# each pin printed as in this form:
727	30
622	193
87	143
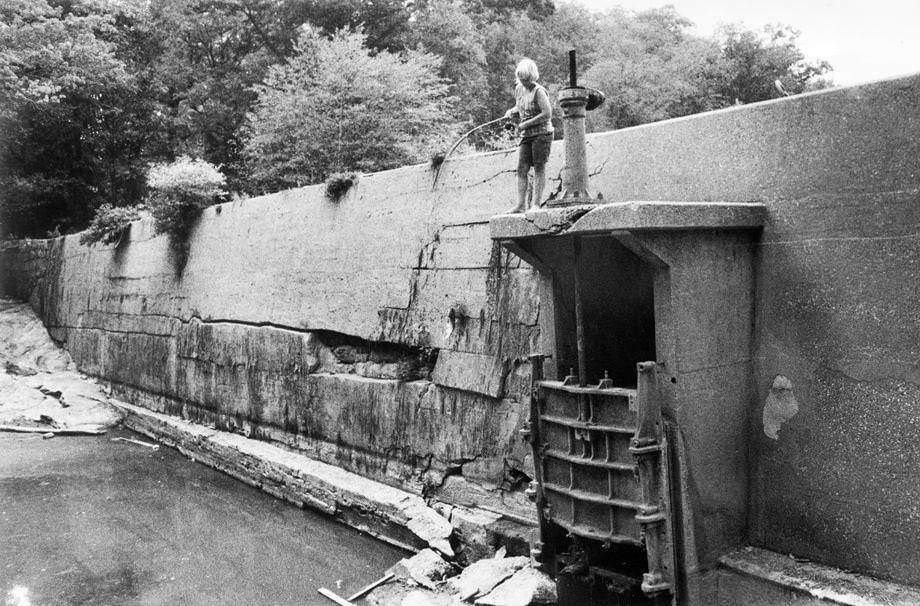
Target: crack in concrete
428	251
599	169
564	222
116	331
493	177
467	224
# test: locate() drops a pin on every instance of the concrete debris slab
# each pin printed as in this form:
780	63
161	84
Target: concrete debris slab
479	578
475	529
426	568
526	586
397	594
431	527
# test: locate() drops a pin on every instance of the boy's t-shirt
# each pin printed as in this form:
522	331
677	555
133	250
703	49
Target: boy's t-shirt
528	107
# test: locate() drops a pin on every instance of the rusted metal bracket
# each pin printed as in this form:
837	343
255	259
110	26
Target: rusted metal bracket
649	447
606	382
571	378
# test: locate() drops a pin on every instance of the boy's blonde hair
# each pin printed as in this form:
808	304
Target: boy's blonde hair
527	70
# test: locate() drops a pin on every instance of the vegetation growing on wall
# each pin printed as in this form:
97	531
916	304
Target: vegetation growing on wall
179	191
338	184
109	224
93	92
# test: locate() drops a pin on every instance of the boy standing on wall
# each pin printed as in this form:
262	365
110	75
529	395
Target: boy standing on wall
536	129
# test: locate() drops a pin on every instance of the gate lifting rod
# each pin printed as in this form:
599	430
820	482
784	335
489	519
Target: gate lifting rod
579	318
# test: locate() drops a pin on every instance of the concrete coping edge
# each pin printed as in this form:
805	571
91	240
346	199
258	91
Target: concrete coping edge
628	216
818	580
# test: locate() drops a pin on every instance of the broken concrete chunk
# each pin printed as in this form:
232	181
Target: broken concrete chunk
426	568
442	545
526	586
479	578
398	594
431	527
445	510
475	530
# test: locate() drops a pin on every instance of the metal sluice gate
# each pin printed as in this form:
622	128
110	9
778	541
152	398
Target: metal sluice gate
601	489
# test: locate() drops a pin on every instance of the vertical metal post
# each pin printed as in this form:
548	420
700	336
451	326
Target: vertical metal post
650	449
531	433
573	99
579	317
573	72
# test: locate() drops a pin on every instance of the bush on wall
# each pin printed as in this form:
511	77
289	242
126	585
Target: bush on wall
109	224
338	184
179	191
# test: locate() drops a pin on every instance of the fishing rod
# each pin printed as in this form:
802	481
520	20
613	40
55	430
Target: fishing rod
458	142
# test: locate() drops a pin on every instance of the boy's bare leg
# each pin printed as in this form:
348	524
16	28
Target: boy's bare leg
539	183
522	194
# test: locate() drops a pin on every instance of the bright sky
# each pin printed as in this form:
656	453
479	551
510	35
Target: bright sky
862	40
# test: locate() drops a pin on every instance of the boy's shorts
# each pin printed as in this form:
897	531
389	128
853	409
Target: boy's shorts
535	150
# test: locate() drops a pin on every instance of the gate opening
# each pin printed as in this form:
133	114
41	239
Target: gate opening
617	291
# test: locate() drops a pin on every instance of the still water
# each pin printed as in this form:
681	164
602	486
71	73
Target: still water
85	520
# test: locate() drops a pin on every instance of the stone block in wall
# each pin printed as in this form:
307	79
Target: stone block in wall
478	373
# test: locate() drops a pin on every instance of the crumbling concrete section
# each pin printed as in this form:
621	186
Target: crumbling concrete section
427	580
40	390
348	371
391	514
388	513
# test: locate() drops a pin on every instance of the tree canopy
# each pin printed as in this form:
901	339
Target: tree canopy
69	110
335	105
93	92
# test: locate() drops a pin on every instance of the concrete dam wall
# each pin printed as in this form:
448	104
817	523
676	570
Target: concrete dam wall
387	334
318	323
